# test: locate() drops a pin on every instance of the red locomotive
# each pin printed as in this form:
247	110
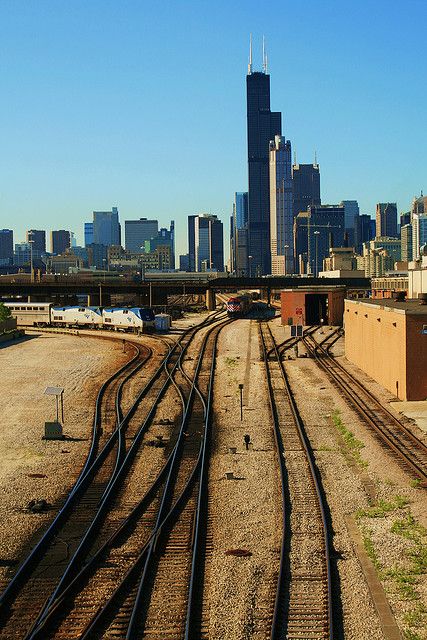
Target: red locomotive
239	305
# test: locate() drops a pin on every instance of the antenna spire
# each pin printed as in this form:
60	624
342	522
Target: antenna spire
315	157
250	55
264	57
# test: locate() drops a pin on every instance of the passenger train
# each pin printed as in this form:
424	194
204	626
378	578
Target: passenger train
239	305
45	314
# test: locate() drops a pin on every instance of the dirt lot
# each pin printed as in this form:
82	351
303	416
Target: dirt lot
31	467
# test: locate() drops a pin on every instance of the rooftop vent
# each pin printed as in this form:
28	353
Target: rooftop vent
422	297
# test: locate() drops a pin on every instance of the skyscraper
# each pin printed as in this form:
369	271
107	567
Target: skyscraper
324	229
208	242
138	231
306	186
351	210
88	233
106	227
38	239
281	218
59	241
386	220
263	125
239	235
191	244
6	247
364	230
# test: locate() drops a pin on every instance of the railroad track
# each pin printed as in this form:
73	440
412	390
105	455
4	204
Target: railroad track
407	449
303	605
36	575
138	579
86	545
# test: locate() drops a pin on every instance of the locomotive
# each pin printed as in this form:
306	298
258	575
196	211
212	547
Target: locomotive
239	305
45	314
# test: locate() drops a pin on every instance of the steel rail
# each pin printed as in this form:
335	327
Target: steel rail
89	470
339	377
141	562
277	624
34	555
110	492
170	483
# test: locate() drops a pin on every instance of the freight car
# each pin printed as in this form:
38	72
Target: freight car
239	305
44	314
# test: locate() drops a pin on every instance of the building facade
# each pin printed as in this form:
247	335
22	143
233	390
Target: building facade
138	231
6	247
306	187
88	232
281	214
208	243
325	229
351	212
262	126
406	242
386	220
419	233
59	241
106	227
364	230
239	234
37	239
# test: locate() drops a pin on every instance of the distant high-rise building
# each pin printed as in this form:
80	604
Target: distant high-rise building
59	241
351	211
300	237
38	239
239	234
184	264
209	243
364	230
88	233
419	233
164	237
406	242
325	229
138	231
405	218
386	220
6	247
106	227
263	125
306	187
281	217
22	254
97	255
191	244
419	205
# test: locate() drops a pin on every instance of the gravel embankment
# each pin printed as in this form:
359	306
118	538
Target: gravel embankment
244	511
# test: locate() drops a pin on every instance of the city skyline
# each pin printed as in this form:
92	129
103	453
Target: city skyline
92	138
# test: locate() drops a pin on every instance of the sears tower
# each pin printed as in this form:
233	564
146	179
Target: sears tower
263	126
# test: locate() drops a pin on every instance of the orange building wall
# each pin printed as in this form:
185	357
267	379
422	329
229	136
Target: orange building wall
291	301
389	347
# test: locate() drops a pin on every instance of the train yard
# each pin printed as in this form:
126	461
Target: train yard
193	516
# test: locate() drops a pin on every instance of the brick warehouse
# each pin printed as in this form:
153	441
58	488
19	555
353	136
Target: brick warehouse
388	340
310	305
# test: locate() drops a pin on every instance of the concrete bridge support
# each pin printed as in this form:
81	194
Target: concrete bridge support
210	300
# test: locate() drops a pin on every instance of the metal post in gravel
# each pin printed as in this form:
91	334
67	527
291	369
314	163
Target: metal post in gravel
241	401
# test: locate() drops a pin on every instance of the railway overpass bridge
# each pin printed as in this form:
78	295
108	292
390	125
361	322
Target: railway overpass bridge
100	291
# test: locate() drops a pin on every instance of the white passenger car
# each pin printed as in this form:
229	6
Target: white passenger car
76	316
30	314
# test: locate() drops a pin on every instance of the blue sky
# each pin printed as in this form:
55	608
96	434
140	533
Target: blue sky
141	105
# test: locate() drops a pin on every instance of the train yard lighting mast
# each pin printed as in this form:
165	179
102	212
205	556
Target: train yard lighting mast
286	259
250	258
